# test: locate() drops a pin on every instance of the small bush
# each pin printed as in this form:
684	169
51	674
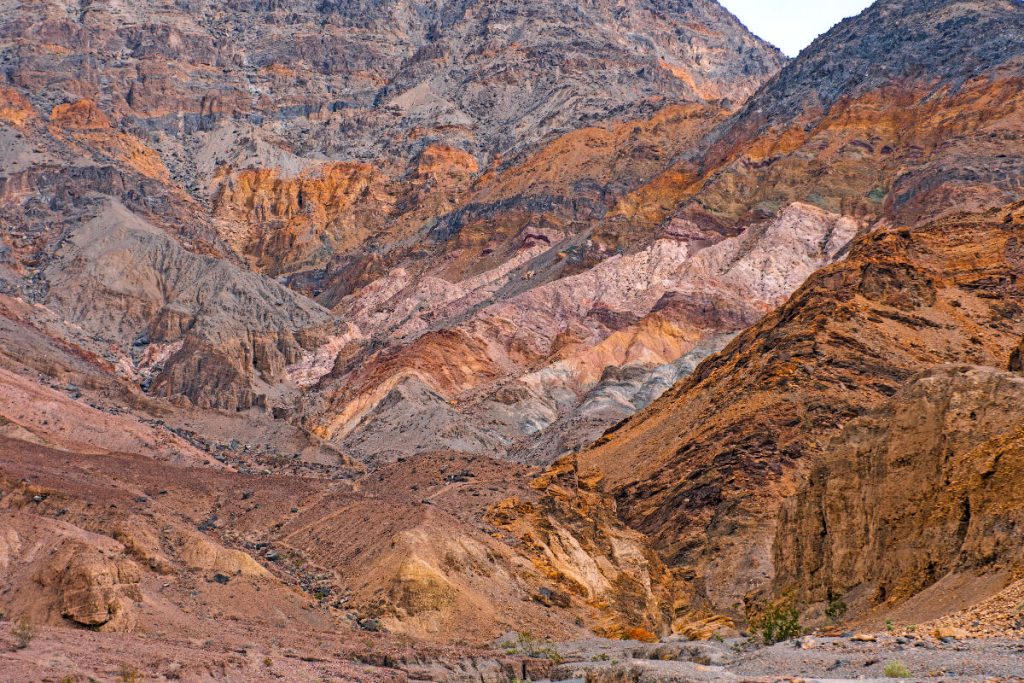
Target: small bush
129	674
836	608
526	644
780	621
23	632
896	670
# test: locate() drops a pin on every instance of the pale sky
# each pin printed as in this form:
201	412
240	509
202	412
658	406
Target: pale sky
791	25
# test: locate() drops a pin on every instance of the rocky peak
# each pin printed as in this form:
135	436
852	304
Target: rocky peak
945	42
903	113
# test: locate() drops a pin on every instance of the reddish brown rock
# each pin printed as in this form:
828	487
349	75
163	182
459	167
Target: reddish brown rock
1017	359
95	592
916	492
702	471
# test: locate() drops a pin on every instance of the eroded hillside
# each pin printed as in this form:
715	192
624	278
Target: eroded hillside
349	339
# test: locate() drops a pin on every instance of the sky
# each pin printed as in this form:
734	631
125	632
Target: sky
791	25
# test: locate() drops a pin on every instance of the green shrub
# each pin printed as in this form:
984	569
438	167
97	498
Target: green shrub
836	608
896	670
23	632
526	644
780	621
129	674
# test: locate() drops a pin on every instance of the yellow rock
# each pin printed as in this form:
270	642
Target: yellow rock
950	632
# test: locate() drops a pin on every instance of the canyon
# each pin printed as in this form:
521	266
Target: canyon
451	340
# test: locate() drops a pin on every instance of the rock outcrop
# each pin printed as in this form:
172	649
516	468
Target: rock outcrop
919	490
226	335
572	534
95	592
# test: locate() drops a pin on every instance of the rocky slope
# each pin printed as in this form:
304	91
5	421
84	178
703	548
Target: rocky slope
911	140
218	213
203	573
502	75
527	359
338	149
903	113
281	117
703	470
324	329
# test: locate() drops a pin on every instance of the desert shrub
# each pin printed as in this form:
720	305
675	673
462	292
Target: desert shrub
23	632
526	644
129	674
780	621
896	670
835	610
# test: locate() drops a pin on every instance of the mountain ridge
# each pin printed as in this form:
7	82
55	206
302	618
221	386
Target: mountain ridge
489	341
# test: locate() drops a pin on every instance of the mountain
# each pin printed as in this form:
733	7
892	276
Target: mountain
903	113
703	470
339	149
232	230
462	341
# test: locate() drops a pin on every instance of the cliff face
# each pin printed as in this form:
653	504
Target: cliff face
917	492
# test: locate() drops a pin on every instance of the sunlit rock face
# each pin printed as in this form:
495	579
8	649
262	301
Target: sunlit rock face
906	130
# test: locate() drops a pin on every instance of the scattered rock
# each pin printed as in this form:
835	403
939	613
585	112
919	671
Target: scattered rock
552	597
372	625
